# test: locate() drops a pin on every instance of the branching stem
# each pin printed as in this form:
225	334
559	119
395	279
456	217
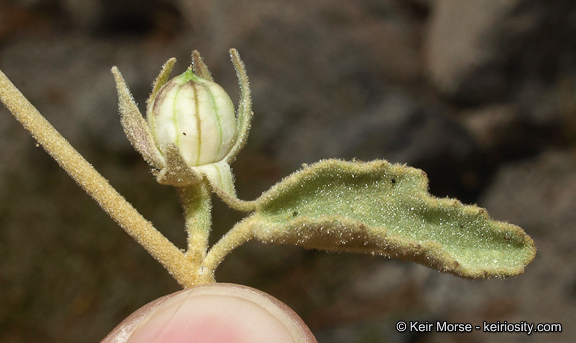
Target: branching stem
234	238
97	186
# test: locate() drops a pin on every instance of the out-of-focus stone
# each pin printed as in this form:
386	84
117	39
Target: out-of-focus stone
462	46
487	51
491	126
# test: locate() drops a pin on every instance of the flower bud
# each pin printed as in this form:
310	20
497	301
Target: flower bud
192	134
197	116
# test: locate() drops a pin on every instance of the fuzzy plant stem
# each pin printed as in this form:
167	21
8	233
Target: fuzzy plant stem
234	238
197	207
96	186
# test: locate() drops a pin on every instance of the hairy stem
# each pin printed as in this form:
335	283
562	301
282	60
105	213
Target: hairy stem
234	238
96	186
197	207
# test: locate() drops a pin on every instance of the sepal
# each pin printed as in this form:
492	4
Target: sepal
135	126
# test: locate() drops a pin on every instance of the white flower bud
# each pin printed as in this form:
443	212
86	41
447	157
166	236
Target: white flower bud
193	132
197	116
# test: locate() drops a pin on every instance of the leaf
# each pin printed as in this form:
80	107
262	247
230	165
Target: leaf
385	209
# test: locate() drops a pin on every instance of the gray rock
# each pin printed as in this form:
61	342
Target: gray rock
484	51
462	46
492	126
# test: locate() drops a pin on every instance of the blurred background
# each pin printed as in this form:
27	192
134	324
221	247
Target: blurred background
479	94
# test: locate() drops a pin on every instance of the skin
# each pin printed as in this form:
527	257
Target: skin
213	313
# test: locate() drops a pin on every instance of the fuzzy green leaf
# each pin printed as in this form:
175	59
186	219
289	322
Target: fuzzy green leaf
385	209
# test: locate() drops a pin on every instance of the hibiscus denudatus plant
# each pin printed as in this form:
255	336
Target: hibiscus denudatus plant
191	135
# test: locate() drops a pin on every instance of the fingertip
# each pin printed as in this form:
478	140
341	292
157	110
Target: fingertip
213	313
